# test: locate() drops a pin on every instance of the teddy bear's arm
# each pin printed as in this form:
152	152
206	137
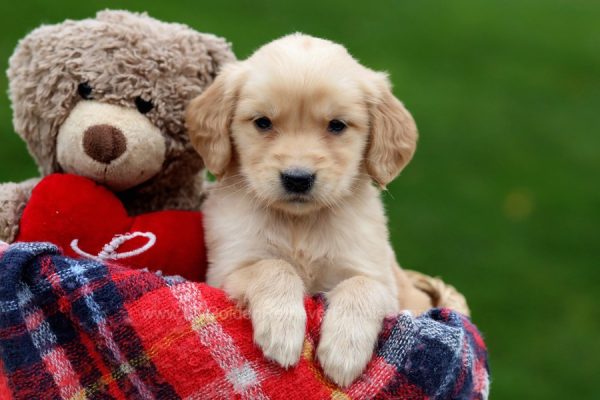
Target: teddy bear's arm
13	198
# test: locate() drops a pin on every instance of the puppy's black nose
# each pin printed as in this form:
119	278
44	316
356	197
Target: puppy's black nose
297	180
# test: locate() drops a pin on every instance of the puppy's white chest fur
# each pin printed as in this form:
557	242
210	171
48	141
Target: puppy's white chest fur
312	245
325	247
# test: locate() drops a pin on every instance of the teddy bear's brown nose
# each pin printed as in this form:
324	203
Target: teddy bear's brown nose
104	143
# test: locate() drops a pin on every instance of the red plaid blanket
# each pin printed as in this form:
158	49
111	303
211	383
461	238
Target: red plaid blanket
80	329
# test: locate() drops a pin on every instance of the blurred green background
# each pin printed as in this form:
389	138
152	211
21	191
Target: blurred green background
502	199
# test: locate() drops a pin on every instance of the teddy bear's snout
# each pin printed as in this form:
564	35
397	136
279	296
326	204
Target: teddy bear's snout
104	143
114	145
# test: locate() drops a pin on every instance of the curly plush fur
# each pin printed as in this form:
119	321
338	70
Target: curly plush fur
122	56
13	198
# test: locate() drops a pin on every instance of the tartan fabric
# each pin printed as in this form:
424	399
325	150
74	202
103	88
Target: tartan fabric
80	329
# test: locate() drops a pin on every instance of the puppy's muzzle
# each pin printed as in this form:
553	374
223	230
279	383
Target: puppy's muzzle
297	181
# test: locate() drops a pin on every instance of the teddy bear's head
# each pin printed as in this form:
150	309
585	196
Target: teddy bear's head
105	97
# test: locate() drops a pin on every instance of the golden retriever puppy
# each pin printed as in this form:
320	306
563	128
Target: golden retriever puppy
296	135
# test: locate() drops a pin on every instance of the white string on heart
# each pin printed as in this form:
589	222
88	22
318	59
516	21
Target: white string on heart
109	250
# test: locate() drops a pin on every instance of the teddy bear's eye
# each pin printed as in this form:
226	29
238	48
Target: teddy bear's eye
143	106
85	90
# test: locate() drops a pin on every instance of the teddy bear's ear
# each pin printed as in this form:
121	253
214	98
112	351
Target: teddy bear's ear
208	119
37	90
219	51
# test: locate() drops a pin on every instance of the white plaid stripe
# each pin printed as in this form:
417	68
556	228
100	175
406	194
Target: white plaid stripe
452	338
405	330
8	306
44	340
239	372
77	270
65	377
484	381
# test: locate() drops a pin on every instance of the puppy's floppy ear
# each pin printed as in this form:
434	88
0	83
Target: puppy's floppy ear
393	134
208	120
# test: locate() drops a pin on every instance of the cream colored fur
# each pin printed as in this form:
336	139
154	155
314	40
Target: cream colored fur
267	249
145	145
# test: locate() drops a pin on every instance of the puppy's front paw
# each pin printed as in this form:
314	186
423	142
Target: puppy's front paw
345	348
279	331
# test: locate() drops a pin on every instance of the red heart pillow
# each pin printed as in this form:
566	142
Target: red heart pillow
88	220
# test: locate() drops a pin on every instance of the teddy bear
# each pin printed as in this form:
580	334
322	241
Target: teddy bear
103	99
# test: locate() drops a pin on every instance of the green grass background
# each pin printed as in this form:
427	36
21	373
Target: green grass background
502	198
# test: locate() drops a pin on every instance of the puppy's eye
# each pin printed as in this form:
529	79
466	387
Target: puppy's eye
84	90
143	106
336	126
263	123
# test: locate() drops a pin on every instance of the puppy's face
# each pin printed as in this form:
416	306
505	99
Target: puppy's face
300	135
302	121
